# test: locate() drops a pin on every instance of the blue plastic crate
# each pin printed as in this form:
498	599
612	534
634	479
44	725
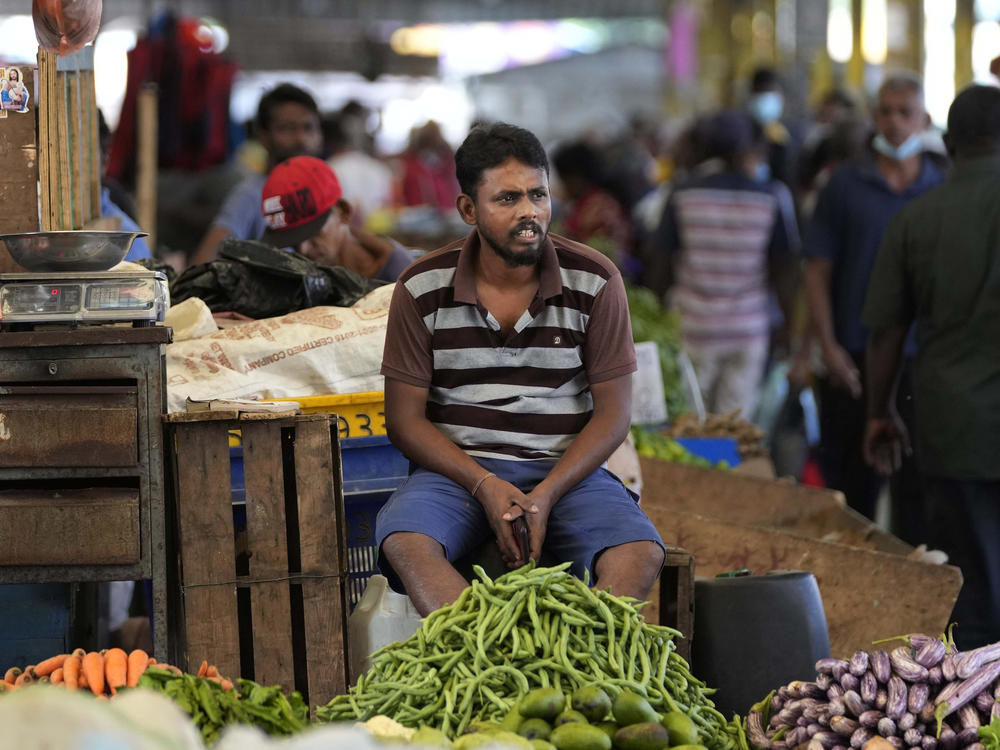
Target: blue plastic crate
713	449
35	622
372	469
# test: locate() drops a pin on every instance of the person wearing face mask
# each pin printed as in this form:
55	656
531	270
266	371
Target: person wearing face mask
766	104
852	213
304	208
939	266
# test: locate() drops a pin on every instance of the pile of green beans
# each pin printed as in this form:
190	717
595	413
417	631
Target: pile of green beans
533	627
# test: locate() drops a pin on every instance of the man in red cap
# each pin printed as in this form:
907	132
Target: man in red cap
304	208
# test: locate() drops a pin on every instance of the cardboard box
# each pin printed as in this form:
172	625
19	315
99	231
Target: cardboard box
870	586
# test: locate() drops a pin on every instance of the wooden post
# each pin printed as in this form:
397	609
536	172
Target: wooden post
18	170
147	162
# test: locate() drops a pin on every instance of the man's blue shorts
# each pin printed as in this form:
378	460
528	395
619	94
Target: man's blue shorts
598	513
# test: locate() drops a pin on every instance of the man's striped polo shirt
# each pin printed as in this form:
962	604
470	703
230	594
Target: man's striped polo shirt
525	395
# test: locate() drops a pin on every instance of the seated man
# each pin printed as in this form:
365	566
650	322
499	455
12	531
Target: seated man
508	380
304	208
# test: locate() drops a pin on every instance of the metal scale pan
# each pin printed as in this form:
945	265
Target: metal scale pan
74	278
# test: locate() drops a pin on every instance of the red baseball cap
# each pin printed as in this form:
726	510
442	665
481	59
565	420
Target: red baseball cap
297	199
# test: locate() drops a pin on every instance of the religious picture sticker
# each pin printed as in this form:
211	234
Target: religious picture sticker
13	93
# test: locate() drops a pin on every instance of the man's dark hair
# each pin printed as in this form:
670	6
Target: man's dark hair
728	135
282	94
490	146
765	79
579	159
974	121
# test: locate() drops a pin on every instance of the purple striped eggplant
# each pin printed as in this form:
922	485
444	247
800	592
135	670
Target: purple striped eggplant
886	727
929	742
868	688
812	711
802	721
823	681
779	745
840	747
776	704
755	731
927	712
840	669
843	725
904	665
836	707
947	740
855	706
984	701
860	737
930	654
995	711
934	675
795	736
948	666
835	691
813	728
826	739
974	660
896	742
786	717
858	664
825	666
968	715
881	698
912	737
849	682
896	702
906	721
800	689
881	666
917	697
957	694
869	719
967	736
976	746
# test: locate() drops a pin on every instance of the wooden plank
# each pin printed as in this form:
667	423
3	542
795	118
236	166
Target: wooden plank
76	148
270	602
52	95
207	551
42	106
147	161
94	139
323	555
18	170
65	149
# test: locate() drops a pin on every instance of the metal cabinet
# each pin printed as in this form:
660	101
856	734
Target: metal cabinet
81	459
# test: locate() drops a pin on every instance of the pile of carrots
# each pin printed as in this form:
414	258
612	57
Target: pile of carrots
101	672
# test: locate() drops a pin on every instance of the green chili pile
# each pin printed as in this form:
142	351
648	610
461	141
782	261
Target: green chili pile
533	627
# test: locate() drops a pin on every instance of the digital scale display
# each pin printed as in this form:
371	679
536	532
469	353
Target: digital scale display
86	297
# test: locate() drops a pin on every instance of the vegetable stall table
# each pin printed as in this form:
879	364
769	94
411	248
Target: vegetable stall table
81	466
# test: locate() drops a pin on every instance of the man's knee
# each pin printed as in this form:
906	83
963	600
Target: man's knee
402	548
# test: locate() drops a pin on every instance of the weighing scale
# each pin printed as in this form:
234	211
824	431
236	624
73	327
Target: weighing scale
83	298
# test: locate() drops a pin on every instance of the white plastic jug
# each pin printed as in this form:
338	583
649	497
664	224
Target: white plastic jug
381	617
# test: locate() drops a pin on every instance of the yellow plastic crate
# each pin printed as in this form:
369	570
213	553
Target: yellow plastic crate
358	414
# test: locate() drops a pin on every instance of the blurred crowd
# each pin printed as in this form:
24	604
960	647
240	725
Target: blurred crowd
783	242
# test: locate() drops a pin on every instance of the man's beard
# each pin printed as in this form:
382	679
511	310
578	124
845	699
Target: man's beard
513	258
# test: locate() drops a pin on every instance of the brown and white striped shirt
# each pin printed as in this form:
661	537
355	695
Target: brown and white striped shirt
524	396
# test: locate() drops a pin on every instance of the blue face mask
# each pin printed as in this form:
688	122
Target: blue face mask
766	107
910	147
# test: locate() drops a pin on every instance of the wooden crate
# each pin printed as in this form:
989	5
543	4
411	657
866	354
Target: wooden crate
672	598
293	632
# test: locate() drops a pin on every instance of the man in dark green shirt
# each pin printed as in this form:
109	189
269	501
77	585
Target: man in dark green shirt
940	265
